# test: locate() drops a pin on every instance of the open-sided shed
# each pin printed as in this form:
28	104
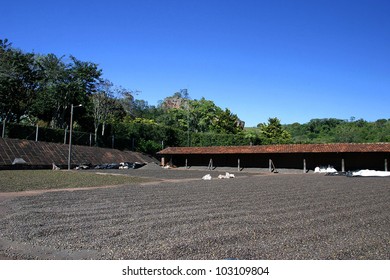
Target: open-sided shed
342	156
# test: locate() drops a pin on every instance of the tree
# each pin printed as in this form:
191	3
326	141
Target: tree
227	122
126	100
83	78
102	105
273	132
297	132
62	84
141	109
52	95
18	81
198	115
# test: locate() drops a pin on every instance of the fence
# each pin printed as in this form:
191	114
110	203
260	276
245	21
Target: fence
135	137
35	133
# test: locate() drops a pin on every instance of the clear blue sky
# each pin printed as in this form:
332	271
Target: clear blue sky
291	59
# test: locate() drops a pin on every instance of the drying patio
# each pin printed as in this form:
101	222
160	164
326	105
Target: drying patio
180	216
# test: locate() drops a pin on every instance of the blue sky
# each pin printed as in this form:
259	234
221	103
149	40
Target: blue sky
295	60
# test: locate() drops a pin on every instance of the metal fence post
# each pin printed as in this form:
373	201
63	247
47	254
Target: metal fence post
3	132
36	133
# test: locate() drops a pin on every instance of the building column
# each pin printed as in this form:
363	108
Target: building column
342	165
304	165
163	161
270	165
238	165
386	169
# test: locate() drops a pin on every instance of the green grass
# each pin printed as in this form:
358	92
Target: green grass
24	180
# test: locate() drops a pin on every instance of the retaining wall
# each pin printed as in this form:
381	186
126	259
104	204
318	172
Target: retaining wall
44	154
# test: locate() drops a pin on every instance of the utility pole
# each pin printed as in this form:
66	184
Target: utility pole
184	94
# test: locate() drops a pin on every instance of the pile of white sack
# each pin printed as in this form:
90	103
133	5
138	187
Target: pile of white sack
226	176
329	169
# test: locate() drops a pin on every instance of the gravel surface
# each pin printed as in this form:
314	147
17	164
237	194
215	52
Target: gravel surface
180	216
156	172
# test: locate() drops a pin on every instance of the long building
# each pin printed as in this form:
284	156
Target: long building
342	156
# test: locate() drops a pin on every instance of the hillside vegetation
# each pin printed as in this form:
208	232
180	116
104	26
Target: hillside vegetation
40	89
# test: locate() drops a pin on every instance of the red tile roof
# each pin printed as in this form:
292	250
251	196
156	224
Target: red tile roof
290	148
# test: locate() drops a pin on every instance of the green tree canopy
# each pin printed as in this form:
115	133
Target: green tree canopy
18	75
273	132
198	115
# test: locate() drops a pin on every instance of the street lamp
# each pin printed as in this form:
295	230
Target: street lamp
70	133
184	94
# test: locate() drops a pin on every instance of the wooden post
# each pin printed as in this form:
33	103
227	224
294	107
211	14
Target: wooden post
210	167
342	165
304	165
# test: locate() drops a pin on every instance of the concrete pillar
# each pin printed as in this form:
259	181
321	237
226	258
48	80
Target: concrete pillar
186	163
304	165
270	165
163	161
238	163
386	164
342	165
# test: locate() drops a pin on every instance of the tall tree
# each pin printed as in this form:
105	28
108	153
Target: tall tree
18	81
52	96
61	85
103	103
83	78
273	132
126	100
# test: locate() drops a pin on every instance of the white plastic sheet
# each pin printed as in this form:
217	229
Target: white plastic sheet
370	173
